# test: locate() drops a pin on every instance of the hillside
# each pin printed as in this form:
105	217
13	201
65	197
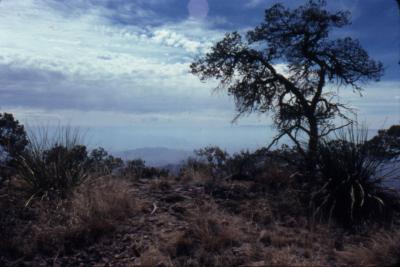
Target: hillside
192	219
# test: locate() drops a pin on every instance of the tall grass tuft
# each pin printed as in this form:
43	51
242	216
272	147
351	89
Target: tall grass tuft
53	163
352	189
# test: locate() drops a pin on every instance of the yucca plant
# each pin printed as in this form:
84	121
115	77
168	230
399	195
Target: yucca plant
352	189
52	164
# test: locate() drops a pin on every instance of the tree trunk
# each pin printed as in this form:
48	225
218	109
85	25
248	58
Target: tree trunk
312	148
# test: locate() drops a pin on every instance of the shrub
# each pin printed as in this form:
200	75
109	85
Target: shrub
137	168
12	142
386	144
53	164
214	160
101	163
246	165
352	190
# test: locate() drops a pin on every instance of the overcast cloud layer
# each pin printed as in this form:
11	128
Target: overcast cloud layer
122	67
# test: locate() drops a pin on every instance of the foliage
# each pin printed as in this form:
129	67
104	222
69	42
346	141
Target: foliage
246	165
386	144
102	163
12	142
53	164
214	159
138	169
352	190
299	98
218	164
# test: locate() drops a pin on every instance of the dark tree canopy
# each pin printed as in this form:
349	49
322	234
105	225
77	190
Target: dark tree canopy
12	135
386	144
301	95
13	141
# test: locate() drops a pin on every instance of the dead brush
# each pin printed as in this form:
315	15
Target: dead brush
104	199
196	176
274	179
210	231
161	184
382	249
97	206
93	209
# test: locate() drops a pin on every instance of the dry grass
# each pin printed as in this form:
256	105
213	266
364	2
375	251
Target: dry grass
209	239
95	208
295	247
190	175
191	227
105	200
154	258
382	249
161	184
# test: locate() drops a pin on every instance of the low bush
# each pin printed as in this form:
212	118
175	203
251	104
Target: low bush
351	189
214	160
137	168
101	163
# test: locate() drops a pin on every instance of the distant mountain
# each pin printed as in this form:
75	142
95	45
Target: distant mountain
156	156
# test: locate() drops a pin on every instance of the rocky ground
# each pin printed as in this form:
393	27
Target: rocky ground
171	222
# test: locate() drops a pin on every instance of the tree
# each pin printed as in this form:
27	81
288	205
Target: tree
102	163
13	141
12	135
302	97
386	144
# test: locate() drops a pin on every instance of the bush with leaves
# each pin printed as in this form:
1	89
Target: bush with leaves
138	169
352	190
246	165
386	144
101	163
12	142
215	160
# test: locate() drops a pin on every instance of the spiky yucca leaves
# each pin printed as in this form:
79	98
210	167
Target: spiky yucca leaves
352	190
53	164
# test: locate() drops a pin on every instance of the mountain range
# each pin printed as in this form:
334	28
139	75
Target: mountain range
156	156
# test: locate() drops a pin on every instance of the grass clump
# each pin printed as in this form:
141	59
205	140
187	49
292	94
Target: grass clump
53	164
352	183
98	205
382	249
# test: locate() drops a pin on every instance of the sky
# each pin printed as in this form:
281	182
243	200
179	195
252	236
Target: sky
119	69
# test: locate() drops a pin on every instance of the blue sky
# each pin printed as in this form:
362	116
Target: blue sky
120	68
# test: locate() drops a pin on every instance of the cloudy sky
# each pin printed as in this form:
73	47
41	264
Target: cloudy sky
120	68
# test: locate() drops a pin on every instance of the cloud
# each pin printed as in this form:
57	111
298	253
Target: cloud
83	62
253	3
173	39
